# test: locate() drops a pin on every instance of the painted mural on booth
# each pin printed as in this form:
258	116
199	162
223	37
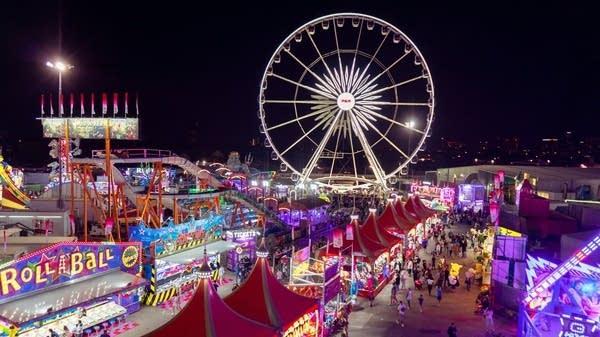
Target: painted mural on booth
64	262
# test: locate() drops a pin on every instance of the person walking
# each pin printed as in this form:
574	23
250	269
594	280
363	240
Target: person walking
403	277
452	331
421	300
438	294
488	315
394	294
409	296
429	285
401	313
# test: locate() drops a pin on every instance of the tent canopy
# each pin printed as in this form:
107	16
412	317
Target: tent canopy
404	215
262	298
373	229
206	315
390	220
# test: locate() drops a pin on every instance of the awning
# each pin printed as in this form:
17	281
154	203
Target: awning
189	256
69	294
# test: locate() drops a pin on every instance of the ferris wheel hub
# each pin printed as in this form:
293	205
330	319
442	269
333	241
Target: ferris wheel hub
346	101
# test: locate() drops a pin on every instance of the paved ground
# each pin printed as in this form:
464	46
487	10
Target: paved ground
457	306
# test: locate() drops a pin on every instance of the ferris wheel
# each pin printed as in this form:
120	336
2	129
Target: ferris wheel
346	101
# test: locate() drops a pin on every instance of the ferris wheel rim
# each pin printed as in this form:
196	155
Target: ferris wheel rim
352	15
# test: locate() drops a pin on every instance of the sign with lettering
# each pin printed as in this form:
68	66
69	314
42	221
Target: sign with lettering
91	128
64	262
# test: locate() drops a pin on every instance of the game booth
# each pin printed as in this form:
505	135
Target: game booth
172	254
245	242
263	299
367	259
562	300
45	289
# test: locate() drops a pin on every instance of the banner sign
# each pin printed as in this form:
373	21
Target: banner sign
301	255
65	262
331	268
332	289
91	128
338	238
349	232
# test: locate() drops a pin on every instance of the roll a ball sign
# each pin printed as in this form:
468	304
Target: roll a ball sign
64	262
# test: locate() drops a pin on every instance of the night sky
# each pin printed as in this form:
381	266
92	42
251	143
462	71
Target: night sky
499	70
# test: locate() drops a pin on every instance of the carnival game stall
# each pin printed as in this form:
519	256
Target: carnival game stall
172	254
265	300
559	302
373	229
206	315
45	289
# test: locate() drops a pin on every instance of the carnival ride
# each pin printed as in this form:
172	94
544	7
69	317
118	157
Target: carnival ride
337	104
12	196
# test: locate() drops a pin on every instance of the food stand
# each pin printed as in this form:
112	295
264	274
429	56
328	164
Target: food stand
44	289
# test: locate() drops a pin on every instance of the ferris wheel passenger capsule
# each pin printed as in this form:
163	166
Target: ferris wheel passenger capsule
385	30
262	98
311	30
298	38
418	61
430	102
264	84
355	22
392	180
339	22
286	47
270	70
295	177
261	129
407	48
425	74
325	25
274	156
429	87
276	59
397	38
267	143
370	25
413	160
404	171
282	167
261	113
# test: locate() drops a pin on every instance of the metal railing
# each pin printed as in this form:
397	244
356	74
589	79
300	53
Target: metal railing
134	153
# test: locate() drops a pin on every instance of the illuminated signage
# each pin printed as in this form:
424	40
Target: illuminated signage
91	128
242	234
306	326
576	326
63	262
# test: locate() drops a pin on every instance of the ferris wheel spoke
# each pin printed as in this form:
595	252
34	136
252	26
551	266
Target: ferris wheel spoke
378	115
349	128
359	90
321	111
312	162
337	46
369	93
329	87
317	91
392	103
279	101
337	142
385	138
322	121
377	170
323	61
352	75
371	60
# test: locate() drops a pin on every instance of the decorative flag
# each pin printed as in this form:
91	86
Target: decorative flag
126	99
61	109
349	232
81	101
72	102
93	99
42	105
51	110
338	238
115	103
104	103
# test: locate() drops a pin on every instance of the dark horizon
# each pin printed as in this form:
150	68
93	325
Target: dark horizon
531	68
